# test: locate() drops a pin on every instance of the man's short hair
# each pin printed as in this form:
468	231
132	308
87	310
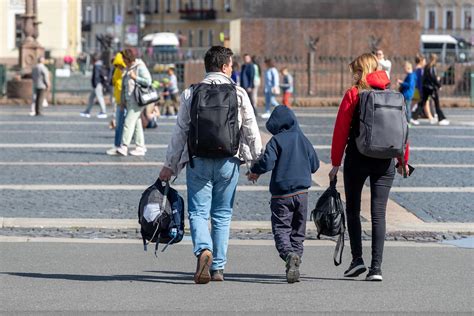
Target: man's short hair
216	57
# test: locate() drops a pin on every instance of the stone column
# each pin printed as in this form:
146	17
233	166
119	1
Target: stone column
312	42
30	49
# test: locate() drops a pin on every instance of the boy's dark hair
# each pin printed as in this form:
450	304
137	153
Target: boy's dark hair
269	62
216	57
418	58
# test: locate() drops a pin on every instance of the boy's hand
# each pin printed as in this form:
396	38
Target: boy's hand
252	176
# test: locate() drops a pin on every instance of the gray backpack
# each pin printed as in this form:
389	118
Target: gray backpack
383	126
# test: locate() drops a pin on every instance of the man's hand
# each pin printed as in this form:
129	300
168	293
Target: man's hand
165	174
333	173
252	176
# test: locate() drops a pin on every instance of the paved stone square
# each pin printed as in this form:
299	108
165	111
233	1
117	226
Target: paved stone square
41	156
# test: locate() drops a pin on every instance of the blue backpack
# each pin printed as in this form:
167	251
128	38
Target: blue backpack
161	216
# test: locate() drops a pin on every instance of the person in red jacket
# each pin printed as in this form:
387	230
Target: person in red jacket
357	168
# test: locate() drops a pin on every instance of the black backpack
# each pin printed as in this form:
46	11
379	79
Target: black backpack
214	129
161	216
330	219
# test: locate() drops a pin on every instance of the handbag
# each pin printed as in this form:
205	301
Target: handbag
145	95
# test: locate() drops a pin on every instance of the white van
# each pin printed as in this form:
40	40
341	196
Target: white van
448	48
162	43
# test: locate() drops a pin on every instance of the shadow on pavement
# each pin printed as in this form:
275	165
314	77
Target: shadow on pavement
256	278
182	280
168	277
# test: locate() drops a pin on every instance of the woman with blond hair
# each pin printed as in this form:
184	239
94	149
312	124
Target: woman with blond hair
357	168
431	86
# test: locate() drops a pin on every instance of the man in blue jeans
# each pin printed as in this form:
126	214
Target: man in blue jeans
212	182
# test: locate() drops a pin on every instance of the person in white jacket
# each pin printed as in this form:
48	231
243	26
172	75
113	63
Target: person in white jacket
212	182
385	64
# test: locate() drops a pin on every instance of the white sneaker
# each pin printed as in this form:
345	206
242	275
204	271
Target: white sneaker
32	113
112	151
84	114
122	150
414	122
139	151
265	115
444	122
433	121
102	115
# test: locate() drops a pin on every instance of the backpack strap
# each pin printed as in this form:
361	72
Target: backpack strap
339	249
156	247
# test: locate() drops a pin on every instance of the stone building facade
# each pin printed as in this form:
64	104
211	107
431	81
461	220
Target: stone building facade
453	17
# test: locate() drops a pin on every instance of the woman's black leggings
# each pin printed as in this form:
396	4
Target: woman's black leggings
433	93
357	168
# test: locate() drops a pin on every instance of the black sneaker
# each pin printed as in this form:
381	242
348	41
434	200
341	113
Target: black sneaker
293	262
375	274
356	268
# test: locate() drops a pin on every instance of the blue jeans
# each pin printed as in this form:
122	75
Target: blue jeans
119	119
270	101
408	105
211	191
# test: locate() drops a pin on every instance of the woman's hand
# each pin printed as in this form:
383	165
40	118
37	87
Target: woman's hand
400	170
333	173
133	75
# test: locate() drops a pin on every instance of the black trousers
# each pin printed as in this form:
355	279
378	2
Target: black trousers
357	168
40	94
289	216
433	93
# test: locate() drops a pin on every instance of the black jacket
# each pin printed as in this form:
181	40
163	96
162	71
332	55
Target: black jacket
289	154
430	79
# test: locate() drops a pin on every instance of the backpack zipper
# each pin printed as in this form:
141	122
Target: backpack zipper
398	107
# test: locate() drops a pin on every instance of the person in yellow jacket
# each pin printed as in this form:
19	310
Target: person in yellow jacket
119	67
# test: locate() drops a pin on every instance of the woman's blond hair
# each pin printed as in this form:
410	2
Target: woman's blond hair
361	67
433	61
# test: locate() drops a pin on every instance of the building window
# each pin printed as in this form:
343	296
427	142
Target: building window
449	19
201	38
168	6
18	30
467	19
178	5
431	20
189	5
147	7
99	13
190	38
211	37
157	6
227	6
113	12
88	17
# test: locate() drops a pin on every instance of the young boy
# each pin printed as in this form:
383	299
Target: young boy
286	86
292	158
407	88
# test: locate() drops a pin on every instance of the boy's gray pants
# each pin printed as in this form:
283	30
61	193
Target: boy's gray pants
289	216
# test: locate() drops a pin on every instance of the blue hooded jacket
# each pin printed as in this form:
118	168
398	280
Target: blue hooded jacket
289	154
407	87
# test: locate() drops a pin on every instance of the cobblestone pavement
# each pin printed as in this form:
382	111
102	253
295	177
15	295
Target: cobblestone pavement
253	234
61	148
